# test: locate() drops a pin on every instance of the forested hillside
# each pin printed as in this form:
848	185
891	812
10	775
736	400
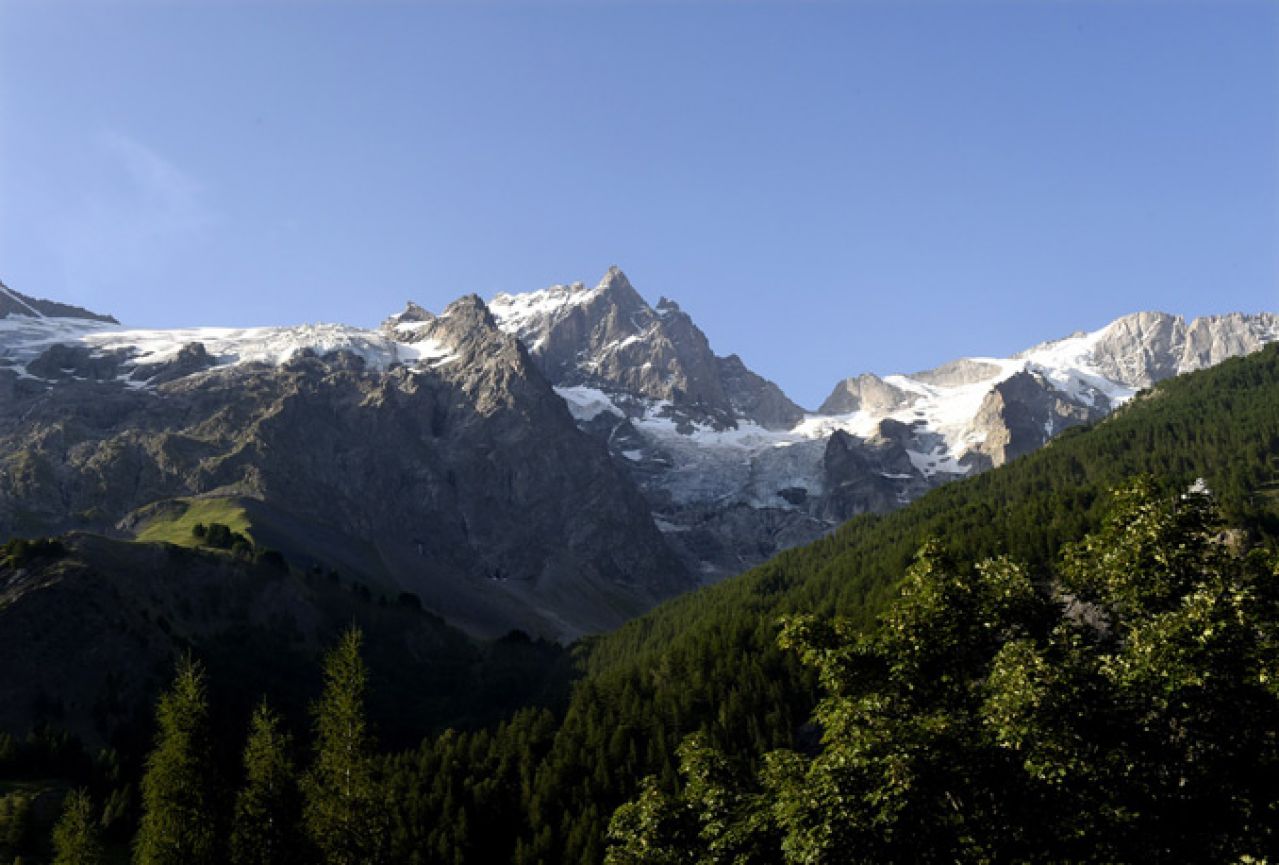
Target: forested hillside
543	787
1124	713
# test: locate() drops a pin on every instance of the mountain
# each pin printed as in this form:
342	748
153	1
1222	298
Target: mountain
608	337
734	471
556	461
430	457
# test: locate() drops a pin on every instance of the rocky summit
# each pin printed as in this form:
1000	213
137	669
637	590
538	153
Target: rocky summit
555	461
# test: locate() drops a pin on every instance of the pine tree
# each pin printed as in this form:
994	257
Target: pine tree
268	808
76	837
344	812
178	809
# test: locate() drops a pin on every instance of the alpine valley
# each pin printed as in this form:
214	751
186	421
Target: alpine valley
556	461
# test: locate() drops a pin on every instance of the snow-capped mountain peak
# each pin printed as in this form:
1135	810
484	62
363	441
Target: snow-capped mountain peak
610	339
731	468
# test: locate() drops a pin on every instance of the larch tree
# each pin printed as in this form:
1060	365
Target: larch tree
179	825
267	823
345	816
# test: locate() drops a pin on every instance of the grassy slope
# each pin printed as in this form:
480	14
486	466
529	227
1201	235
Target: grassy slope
174	523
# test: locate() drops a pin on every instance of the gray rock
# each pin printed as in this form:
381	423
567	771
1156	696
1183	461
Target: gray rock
16	303
610	338
866	391
1021	413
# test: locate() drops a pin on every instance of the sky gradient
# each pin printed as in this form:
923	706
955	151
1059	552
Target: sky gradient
828	188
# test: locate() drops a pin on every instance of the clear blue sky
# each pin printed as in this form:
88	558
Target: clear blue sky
827	187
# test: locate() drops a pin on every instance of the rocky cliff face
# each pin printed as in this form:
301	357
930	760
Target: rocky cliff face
609	338
1139	350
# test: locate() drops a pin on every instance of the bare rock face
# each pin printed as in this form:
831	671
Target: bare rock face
1212	339
1021	413
855	478
1141	349
1147	347
867	391
754	397
609	338
960	372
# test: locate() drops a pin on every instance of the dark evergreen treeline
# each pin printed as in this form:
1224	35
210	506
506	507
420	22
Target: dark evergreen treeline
543	787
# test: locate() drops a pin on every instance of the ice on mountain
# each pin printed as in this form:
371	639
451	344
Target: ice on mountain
588	403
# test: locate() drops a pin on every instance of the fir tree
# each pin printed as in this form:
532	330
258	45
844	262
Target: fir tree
76	837
344	813
178	825
268	808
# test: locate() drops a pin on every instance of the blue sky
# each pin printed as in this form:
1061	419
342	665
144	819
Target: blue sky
829	188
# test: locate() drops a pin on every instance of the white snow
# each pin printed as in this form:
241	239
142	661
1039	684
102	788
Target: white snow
588	403
23	339
750	464
518	314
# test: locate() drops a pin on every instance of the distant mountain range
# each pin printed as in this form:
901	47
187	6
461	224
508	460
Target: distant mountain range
556	461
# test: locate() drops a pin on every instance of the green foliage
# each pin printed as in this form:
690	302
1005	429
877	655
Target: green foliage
267	825
345	812
77	836
719	817
654	829
223	538
179	794
983	719
460	797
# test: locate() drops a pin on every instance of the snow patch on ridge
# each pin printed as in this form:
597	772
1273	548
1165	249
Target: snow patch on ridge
519	314
22	340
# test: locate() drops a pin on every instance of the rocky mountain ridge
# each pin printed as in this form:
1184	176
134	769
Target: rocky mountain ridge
431	458
14	303
556	461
